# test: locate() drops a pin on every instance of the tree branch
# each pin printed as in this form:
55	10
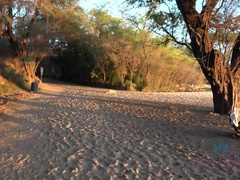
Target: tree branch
218	9
9	31
209	6
175	39
31	25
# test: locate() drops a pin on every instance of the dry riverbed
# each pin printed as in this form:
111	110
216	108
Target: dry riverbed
74	132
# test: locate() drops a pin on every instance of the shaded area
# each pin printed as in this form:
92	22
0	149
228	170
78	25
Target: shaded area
3	102
11	75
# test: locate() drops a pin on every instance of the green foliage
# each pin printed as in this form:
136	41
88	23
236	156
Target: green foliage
139	82
28	59
116	80
109	52
94	74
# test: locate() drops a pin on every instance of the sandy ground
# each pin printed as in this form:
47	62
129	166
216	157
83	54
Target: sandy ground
72	132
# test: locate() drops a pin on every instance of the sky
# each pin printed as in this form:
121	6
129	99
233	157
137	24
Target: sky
114	7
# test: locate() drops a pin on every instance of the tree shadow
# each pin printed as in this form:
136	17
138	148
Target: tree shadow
12	76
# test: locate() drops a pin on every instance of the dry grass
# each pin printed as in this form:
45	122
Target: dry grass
10	80
172	70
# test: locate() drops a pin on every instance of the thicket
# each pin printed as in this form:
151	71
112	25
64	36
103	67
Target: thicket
167	69
109	52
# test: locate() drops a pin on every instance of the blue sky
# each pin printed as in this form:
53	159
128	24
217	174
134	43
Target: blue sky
114	7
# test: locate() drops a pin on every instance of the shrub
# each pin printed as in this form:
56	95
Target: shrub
170	68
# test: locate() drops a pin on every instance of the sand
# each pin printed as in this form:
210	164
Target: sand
75	132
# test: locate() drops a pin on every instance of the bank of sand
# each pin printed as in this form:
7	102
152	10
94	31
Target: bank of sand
71	132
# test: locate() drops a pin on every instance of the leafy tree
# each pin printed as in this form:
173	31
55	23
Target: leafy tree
143	44
25	26
200	29
102	26
98	48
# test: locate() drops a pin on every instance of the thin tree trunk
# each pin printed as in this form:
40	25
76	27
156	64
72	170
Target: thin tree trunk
104	77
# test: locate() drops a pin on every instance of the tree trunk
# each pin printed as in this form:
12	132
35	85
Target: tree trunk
104	76
18	45
222	100
222	78
222	83
223	97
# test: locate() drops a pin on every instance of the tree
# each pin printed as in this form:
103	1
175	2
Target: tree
25	25
200	28
106	30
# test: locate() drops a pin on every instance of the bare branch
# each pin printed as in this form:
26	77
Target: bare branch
220	7
174	38
209	6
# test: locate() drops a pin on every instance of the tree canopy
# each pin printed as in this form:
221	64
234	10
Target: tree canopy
28	27
89	47
210	29
168	16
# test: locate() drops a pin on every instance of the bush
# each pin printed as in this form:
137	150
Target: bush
172	69
139	82
116	80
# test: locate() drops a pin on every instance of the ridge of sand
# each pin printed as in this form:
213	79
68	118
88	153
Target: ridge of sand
74	132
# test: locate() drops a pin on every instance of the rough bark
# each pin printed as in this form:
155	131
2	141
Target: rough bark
221	78
222	84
